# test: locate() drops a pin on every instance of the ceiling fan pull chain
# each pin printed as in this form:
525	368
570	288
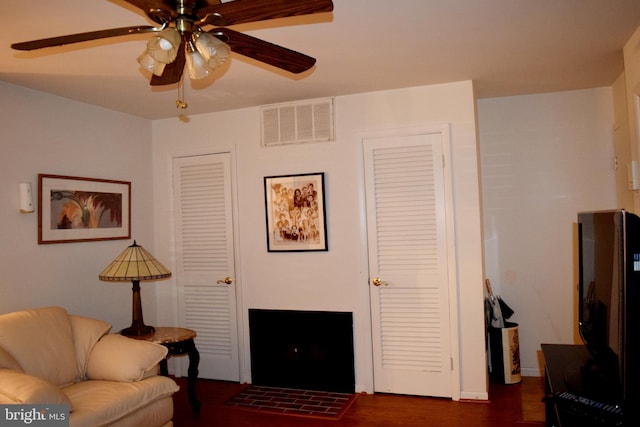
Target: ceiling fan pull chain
180	102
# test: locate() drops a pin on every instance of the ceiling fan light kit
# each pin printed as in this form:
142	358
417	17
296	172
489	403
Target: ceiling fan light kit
203	52
180	38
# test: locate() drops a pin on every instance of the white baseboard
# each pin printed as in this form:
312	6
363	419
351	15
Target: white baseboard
363	388
531	372
469	395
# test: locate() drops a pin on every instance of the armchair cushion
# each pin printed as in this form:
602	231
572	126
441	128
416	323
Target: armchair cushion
101	403
118	358
86	333
19	388
41	339
8	362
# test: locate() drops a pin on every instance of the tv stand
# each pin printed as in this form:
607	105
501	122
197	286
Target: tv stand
565	374
585	378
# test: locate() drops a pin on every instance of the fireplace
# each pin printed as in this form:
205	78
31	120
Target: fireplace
311	350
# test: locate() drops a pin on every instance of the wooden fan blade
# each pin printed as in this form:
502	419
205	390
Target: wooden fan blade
260	50
147	5
172	72
160	11
242	11
82	37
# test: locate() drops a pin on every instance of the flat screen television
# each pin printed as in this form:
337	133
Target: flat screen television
609	304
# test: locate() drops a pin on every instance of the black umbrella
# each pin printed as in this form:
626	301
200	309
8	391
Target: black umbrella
497	309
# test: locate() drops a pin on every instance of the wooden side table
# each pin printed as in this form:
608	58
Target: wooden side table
179	341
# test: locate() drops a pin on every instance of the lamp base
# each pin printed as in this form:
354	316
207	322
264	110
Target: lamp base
138	330
137	327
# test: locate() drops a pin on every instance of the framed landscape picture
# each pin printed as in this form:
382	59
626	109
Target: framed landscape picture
76	209
295	213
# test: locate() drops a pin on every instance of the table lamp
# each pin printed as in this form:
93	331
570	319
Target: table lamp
135	264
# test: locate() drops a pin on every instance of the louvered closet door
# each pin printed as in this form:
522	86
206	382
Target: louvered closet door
408	264
205	258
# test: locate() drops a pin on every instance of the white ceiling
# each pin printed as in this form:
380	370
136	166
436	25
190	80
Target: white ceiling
509	47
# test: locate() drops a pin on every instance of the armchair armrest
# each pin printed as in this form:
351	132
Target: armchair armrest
19	388
118	358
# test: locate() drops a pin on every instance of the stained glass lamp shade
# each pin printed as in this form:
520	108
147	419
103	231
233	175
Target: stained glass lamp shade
135	264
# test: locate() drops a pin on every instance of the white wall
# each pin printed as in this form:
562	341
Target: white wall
622	144
544	158
48	134
337	279
533	149
632	74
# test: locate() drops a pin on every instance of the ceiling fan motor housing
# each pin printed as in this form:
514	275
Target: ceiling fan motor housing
182	16
186	17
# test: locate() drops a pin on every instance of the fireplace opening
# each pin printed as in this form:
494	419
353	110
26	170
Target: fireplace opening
310	350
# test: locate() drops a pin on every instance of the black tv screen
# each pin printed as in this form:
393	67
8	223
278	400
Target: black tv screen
601	272
608	302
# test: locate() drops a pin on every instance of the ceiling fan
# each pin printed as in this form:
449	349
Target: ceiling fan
180	37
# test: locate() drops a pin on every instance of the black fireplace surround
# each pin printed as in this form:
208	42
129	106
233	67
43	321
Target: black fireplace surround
309	350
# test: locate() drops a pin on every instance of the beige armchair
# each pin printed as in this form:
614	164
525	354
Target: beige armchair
50	357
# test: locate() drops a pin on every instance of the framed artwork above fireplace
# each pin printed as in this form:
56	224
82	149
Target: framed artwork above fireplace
295	213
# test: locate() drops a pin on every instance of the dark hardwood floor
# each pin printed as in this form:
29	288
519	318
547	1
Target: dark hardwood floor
516	405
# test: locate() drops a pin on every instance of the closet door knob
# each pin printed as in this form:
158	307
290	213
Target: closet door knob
227	280
378	281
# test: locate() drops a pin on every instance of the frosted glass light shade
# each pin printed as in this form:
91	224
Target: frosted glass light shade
196	64
147	62
214	51
164	47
